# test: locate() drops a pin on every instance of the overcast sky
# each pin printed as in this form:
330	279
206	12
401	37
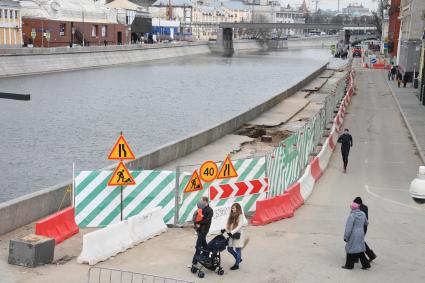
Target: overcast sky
332	4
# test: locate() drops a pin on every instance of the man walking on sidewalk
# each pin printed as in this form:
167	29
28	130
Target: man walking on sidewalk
202	227
346	141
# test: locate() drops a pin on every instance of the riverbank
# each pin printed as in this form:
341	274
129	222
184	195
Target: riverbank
28	61
285	117
26	209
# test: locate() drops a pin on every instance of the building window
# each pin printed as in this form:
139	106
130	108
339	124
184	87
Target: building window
94	31
104	31
5	14
16	14
62	29
11	14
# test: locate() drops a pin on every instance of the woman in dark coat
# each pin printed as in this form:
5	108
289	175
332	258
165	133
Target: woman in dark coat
365	209
354	238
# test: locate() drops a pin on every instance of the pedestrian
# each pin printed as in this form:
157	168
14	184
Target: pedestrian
234	229
389	75
399	78
354	238
370	254
346	141
404	80
202	227
393	72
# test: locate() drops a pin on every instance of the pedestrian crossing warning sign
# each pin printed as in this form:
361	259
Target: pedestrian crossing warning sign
121	150
194	183
227	170
121	177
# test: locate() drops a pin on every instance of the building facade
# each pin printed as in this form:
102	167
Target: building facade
393	27
71	22
356	10
412	15
10	24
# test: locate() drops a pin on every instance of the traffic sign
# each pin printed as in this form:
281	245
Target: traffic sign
227	170
121	150
121	177
208	171
194	183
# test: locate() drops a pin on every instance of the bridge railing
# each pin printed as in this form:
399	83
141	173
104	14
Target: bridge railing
109	275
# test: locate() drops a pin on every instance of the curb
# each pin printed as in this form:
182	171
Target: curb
409	127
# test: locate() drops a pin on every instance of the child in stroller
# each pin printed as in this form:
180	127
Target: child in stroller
210	258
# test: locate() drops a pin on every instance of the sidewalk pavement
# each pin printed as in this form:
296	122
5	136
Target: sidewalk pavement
413	113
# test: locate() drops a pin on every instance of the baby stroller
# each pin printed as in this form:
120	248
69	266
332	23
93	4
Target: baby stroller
210	257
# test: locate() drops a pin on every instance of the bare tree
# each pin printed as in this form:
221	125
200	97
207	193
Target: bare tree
378	16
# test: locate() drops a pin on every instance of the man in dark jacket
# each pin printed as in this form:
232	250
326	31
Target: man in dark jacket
202	227
346	141
370	254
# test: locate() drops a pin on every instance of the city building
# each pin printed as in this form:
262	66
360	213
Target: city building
201	18
10	24
356	10
411	30
136	18
393	27
68	22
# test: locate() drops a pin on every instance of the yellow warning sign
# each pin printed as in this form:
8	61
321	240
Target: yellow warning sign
194	183
121	150
227	170
208	171
121	177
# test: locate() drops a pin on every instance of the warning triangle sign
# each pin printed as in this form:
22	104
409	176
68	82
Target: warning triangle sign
227	170
121	177
121	150
194	183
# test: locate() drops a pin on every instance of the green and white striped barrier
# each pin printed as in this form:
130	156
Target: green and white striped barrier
248	169
98	205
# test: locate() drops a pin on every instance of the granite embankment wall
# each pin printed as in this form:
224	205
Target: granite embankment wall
21	211
19	62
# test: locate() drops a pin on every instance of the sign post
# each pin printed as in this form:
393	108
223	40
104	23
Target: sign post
121	176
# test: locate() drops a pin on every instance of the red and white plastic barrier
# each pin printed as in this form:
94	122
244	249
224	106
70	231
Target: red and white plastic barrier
278	207
231	190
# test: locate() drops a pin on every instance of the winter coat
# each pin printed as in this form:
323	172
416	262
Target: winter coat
238	243
205	223
354	232
346	141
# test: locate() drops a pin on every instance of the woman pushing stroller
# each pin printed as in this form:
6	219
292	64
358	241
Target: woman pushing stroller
234	229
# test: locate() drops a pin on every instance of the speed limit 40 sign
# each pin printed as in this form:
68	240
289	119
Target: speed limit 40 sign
208	171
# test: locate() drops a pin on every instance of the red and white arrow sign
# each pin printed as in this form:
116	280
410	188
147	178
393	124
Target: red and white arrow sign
238	189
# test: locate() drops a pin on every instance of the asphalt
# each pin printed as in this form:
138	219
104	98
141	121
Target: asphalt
309	247
412	111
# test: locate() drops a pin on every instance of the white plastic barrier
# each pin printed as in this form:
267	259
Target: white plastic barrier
104	243
147	225
116	238
306	183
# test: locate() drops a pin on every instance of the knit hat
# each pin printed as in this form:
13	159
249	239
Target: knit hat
358	200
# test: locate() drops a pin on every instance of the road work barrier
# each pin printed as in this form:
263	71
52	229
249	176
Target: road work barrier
118	237
250	186
99	205
298	192
272	209
59	226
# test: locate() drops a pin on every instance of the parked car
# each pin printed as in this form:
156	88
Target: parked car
357	51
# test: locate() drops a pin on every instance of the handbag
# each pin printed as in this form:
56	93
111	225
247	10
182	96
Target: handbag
237	236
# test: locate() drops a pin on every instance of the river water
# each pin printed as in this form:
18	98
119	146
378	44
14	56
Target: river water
77	116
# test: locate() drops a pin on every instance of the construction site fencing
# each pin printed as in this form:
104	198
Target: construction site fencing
99	205
108	275
286	162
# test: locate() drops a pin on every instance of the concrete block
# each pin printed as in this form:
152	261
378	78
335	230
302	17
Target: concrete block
31	251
